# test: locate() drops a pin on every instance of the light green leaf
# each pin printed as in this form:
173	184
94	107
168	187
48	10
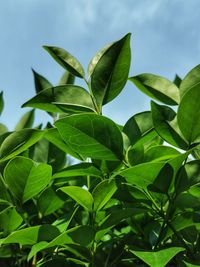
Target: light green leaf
63	98
157	87
192	79
66	60
25	178
80	195
103	193
160	153
19	141
26	121
92	135
157	258
41	82
10	220
109	70
80	169
188	115
142	175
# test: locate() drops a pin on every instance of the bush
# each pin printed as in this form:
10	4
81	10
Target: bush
131	197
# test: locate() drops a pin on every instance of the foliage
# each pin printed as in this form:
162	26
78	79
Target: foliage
86	191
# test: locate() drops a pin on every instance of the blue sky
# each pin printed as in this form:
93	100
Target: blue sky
165	41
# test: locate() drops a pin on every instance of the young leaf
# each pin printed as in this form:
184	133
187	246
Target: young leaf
17	142
158	258
164	119
80	195
66	60
1	102
139	127
25	178
102	193
188	115
192	79
157	87
41	83
109	70
26	121
63	98
80	169
92	135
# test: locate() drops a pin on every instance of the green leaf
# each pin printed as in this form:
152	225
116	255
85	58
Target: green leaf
160	153
165	123
3	129
177	81
41	82
67	78
82	235
10	220
25	178
19	141
53	136
103	193
139	128
1	102
188	115
109	70
192	79
80	195
92	135
48	202
63	98
32	235
80	169
157	87
26	121
66	60
142	175
157	258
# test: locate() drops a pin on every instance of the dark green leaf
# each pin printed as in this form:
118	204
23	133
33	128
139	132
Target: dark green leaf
67	78
63	98
25	178
177	81
164	119
109	70
66	60
1	102
188	115
157	87
19	141
26	121
92	136
41	83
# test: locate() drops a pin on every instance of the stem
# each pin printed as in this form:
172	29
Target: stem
93	98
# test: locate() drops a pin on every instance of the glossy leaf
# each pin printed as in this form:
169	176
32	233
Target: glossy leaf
188	115
26	121
63	98
109	70
160	153
92	136
67	78
165	123
157	87
41	82
192	79
25	178
10	220
139	128
66	60
102	193
158	258
80	169
17	142
80	195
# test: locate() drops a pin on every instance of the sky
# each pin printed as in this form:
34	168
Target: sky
165	41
